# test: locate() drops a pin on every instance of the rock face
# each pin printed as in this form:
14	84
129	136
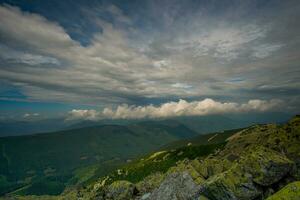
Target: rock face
176	186
289	192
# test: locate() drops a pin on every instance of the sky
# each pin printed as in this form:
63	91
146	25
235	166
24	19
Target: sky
89	59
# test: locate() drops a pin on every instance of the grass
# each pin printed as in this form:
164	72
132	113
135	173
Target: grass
160	162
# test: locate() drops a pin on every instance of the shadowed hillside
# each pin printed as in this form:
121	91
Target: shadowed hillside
52	157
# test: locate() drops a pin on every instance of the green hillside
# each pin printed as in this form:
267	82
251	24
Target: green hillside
259	162
52	158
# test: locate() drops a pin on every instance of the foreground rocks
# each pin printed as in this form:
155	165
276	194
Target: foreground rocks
259	167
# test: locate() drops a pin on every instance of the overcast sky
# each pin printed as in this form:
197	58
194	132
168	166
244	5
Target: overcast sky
110	59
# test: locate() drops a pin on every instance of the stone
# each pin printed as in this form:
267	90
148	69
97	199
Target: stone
266	166
176	186
120	190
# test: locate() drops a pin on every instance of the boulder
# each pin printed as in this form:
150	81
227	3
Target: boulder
187	166
120	190
150	183
210	166
266	166
258	166
176	186
234	184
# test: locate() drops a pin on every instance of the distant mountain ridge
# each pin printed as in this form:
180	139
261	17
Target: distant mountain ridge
199	124
30	158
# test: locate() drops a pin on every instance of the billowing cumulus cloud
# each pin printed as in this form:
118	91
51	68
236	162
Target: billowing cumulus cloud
176	109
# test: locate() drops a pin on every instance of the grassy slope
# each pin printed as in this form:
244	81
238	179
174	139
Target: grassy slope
160	162
168	156
211	138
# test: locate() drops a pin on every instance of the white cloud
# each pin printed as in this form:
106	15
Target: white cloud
32	29
83	114
160	63
265	50
30	115
13	56
182	85
175	109
125	65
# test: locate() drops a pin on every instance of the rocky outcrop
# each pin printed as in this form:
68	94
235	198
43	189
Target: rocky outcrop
176	186
257	167
187	166
266	166
233	184
120	190
150	183
211	166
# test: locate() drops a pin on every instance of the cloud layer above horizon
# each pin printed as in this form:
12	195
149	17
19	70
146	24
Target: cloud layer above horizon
150	54
176	109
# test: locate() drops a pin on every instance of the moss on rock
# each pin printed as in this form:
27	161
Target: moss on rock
186	166
120	190
231	185
150	183
265	165
289	192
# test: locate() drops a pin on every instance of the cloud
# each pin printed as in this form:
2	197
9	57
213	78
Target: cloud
176	109
161	52
19	57
182	85
263	51
30	115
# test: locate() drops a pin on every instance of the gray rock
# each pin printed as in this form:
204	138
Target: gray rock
233	184
120	190
266	166
176	186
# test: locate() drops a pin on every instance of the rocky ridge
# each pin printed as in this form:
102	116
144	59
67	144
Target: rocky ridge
256	163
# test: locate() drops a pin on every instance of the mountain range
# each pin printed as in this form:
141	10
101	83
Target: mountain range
200	124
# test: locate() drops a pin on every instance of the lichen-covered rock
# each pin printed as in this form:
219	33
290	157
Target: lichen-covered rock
260	166
289	192
176	186
187	167
234	184
150	183
211	166
120	190
266	166
201	197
